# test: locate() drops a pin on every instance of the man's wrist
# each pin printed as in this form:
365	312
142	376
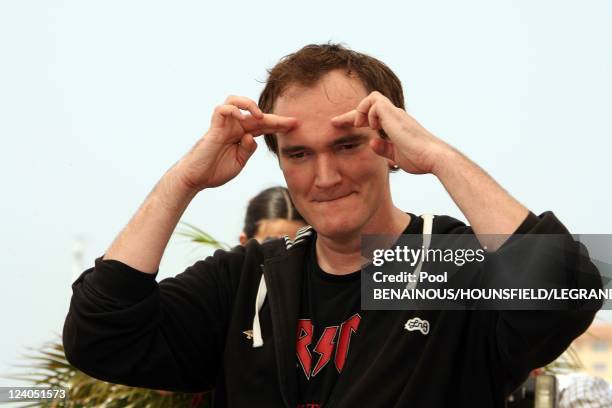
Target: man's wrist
446	159
173	192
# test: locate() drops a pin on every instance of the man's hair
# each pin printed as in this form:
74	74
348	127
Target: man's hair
308	65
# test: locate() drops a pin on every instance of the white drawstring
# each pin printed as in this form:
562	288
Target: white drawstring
427	228
261	295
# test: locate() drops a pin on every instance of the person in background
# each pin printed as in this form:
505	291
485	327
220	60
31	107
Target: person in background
578	389
271	214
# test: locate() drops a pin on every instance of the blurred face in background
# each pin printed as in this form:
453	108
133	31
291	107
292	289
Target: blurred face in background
274	228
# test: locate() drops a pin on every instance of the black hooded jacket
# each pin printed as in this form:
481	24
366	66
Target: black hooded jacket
194	332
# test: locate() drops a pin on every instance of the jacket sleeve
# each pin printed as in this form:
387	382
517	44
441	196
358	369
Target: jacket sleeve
125	328
527	339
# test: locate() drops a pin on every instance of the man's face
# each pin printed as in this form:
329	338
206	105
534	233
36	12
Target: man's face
336	181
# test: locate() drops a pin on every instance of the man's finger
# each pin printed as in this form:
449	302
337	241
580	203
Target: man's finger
373	117
363	110
246	147
222	112
270	123
345	120
383	148
277	121
245	103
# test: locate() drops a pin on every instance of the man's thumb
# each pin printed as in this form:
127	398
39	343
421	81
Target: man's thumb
383	148
247	147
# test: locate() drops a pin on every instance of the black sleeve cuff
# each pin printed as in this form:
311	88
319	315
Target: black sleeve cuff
528	223
545	223
119	281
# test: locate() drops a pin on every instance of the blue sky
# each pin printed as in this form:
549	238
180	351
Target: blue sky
99	99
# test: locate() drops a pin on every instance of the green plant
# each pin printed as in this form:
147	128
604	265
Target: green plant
50	368
198	236
567	362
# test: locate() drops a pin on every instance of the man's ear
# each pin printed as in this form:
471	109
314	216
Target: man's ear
242	238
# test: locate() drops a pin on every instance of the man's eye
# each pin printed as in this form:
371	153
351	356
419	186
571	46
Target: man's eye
348	146
297	155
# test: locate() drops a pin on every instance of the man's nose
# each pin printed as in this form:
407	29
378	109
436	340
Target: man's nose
327	173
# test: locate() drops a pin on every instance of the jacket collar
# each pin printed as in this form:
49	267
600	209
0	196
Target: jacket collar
283	273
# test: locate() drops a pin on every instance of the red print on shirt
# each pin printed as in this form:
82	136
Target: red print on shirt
326	345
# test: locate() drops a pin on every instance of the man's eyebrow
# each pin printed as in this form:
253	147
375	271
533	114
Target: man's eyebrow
351	138
291	149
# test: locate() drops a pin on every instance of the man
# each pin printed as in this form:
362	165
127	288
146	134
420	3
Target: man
280	323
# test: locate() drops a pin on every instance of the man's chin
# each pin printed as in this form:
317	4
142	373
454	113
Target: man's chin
335	229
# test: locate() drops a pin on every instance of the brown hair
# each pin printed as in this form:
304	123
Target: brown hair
306	66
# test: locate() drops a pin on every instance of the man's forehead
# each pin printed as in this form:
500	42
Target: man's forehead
333	94
315	106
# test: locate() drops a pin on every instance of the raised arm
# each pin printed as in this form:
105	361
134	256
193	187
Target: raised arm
487	206
124	327
215	159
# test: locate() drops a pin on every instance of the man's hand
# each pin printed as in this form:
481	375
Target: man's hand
215	159
229	143
487	206
409	145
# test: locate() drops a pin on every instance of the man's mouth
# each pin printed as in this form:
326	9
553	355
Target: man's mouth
328	199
